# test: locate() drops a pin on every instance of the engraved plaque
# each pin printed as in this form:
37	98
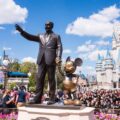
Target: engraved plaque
41	118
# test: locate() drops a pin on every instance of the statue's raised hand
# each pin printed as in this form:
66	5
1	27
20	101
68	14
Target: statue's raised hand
18	28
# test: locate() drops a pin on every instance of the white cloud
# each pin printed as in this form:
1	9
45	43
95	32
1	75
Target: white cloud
15	32
90	70
29	59
66	51
88	42
11	13
102	43
86	48
94	54
89	46
83	56
7	48
98	24
2	28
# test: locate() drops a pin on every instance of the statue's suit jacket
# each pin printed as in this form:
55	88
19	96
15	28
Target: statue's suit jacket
49	50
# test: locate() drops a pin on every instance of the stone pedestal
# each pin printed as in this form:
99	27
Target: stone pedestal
44	112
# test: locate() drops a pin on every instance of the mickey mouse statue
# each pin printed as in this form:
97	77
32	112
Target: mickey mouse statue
70	81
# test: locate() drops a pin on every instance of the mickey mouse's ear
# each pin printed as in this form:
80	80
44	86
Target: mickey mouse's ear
78	62
68	58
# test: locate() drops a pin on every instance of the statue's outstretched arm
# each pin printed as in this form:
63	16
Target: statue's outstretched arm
27	35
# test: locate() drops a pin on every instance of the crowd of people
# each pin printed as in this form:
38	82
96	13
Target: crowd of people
100	99
104	100
13	98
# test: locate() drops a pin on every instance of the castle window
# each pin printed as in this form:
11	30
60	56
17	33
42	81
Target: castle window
114	84
119	83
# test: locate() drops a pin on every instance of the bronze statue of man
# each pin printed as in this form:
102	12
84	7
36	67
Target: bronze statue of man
50	52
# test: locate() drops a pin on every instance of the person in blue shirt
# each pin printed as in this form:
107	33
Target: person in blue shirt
21	97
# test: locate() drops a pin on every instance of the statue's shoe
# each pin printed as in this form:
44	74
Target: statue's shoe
34	102
50	102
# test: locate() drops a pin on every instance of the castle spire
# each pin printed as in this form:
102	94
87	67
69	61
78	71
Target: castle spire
4	54
99	59
99	63
108	56
108	61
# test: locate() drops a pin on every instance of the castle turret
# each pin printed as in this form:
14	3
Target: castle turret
99	68
116	40
4	55
117	69
109	68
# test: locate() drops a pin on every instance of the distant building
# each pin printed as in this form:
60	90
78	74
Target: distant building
19	78
108	67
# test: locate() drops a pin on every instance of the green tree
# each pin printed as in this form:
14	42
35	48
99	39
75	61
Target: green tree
1	86
32	89
32	80
12	85
27	67
60	76
14	66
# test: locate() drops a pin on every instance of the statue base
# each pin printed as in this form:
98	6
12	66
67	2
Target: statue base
55	112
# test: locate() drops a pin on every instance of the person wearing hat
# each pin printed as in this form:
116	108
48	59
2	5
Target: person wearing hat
50	52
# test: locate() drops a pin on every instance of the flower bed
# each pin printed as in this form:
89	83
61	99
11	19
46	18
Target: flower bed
12	116
103	116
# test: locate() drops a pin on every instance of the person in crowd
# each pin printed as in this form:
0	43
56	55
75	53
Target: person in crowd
21	97
7	100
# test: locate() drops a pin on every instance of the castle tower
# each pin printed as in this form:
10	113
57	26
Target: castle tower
4	54
99	69
5	57
117	70
116	40
109	70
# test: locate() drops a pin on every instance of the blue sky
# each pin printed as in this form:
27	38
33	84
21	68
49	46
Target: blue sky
85	27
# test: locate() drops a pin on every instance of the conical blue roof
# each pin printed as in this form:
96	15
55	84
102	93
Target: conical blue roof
99	57
102	57
108	56
108	59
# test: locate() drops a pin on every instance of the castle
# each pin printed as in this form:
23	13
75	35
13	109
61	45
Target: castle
108	68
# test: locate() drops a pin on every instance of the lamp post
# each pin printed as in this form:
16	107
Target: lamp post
29	74
5	64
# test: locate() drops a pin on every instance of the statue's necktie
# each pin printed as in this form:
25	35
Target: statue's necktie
47	38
